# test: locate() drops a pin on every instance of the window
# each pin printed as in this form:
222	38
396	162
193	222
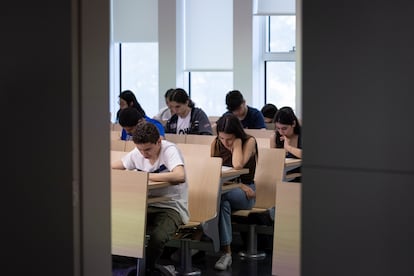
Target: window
208	53
280	83
208	90
139	73
279	60
135	64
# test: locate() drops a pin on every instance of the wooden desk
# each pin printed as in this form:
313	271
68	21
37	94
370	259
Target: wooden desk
117	155
287	231
292	163
228	173
225	187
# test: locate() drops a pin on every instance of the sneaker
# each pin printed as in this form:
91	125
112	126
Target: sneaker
176	256
224	262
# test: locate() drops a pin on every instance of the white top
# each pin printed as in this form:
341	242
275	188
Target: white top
169	158
183	124
163	115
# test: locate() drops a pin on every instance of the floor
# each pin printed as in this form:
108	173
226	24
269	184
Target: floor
239	267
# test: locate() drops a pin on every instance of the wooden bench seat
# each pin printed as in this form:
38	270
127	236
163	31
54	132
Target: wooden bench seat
269	171
203	178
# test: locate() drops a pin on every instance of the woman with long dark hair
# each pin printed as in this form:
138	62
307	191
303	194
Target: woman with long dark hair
287	133
187	118
238	150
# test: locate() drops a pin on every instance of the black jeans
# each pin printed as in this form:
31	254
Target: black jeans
162	223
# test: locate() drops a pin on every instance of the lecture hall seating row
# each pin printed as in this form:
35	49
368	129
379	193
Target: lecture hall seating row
286	257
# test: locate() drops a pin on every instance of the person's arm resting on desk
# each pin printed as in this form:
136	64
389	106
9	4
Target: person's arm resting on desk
118	165
176	176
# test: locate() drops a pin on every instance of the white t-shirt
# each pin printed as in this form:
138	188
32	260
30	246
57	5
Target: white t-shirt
163	115
183	124
169	158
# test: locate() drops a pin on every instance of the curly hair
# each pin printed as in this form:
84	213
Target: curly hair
146	133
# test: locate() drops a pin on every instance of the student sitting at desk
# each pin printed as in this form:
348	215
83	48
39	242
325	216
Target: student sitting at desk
127	99
128	119
269	111
164	162
249	117
288	135
187	118
238	150
165	113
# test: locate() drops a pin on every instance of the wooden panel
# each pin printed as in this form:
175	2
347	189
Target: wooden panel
115	135
129	145
200	151
269	171
287	232
259	133
263	142
175	138
203	178
199	139
116	154
213	119
116	127
118	145
128	212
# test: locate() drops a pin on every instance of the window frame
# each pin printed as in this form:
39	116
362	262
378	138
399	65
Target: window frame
267	56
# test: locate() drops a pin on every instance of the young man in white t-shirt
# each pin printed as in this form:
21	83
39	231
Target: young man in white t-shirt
164	162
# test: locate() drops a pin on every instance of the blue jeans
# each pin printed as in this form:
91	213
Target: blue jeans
231	201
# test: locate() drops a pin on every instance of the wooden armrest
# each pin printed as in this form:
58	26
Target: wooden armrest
290	176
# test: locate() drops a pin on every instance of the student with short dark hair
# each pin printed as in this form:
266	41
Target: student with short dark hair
250	117
164	162
268	111
128	119
127	99
187	118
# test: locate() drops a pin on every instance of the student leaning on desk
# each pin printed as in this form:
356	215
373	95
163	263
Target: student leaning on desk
288	135
127	99
238	150
164	162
